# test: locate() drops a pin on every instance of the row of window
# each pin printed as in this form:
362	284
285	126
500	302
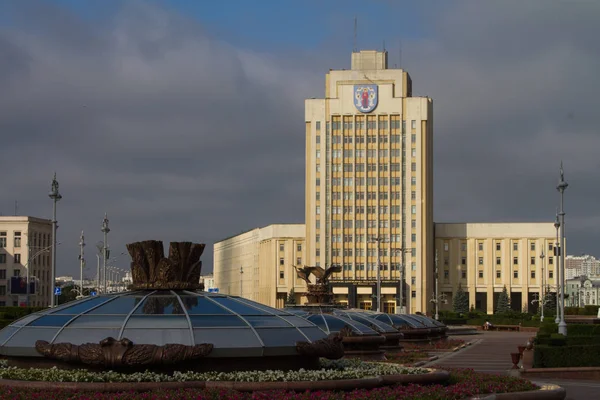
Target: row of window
371	181
370	167
37	239
282	247
360	195
361	153
463	260
369	139
498	274
395	252
358	224
371	123
463	246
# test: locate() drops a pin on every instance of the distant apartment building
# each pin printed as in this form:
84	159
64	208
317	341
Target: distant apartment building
259	264
25	246
584	265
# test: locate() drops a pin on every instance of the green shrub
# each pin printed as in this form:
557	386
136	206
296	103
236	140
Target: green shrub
557	339
583	330
590	310
14	313
454	321
545	356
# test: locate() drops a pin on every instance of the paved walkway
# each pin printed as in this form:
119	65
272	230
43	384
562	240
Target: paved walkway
490	353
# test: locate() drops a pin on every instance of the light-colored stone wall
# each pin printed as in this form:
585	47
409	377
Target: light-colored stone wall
267	257
485	257
32	251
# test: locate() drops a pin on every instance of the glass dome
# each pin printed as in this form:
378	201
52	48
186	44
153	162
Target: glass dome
396	320
377	325
333	324
295	311
235	326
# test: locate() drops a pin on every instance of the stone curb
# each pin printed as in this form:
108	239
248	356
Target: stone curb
581	373
546	392
433	376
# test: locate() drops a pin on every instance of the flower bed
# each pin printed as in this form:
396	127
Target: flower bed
406	358
440	345
462	384
330	370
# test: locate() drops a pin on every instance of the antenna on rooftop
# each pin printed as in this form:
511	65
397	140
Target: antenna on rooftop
400	54
16	208
355	32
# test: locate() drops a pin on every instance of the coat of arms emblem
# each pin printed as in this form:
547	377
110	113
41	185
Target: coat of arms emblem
365	97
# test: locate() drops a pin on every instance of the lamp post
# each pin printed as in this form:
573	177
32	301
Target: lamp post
55	196
543	300
105	229
81	262
401	297
30	259
378	297
557	251
99	246
241	281
561	187
437	315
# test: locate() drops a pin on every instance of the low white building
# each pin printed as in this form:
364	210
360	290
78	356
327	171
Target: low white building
583	291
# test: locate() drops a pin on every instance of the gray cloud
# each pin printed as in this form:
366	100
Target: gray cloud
178	135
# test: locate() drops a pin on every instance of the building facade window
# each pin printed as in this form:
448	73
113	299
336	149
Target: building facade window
17	258
17	239
2	239
2	258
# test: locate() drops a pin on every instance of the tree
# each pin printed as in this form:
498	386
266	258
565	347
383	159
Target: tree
460	304
503	302
70	293
291	298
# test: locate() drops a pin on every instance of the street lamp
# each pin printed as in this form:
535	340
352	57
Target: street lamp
100	247
30	259
241	281
437	315
55	196
378	240
401	297
543	300
81	262
561	187
557	251
105	229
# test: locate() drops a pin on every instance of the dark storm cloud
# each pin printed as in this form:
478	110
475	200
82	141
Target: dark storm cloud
180	136
176	135
515	91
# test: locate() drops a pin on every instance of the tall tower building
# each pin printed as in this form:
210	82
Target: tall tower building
369	185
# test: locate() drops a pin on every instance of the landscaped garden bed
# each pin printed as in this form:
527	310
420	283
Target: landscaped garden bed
406	357
330	370
462	384
439	346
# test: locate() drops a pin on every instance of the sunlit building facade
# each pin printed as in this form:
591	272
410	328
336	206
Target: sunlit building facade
369	183
485	257
25	249
259	264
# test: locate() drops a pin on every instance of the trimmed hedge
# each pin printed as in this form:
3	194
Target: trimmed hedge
587	310
546	356
454	321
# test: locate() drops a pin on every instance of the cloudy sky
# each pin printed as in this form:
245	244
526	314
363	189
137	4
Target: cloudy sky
183	120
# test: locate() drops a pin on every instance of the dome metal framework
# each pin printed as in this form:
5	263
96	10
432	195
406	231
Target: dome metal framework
236	327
